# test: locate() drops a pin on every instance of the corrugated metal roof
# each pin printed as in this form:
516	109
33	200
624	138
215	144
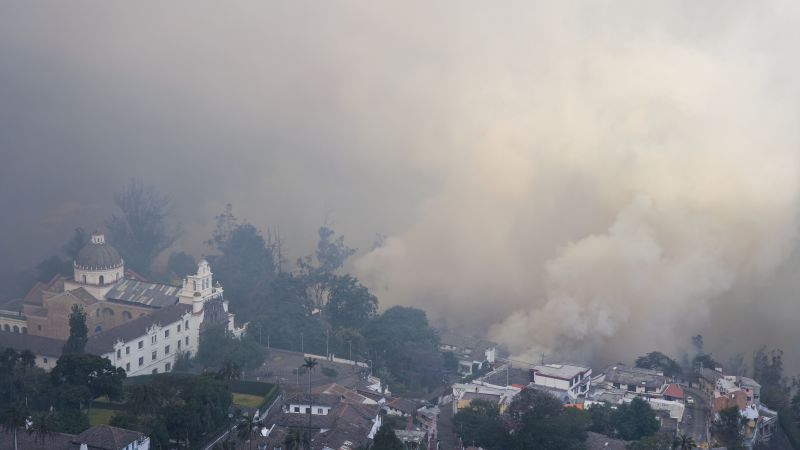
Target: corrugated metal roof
142	292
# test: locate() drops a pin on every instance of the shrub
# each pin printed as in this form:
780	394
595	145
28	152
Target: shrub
329	372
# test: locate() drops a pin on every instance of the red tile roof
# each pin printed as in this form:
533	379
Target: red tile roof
674	391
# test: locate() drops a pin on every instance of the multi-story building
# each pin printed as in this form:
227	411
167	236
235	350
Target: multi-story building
574	380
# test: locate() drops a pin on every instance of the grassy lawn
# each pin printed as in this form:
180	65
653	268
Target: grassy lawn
99	416
251	401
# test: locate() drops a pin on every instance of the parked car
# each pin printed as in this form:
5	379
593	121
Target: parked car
689	400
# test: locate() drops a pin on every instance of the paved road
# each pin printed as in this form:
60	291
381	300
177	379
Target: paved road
696	416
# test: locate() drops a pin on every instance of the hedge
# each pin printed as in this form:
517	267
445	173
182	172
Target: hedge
251	387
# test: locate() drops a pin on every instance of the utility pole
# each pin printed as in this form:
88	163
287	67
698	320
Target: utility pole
301	344
268	342
507	375
350	343
327	349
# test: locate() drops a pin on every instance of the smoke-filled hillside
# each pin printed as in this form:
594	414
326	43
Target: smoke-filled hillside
568	177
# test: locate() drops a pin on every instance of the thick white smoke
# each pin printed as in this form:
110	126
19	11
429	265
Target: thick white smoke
611	194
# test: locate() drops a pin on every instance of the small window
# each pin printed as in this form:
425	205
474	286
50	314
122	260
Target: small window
319	410
45	360
154	355
167	367
24	330
119	353
141	361
141	344
127	367
16	329
153	339
166	333
128	350
102	280
84	279
166	350
39	327
155	371
186	325
296	409
7	327
179	345
187	340
179	328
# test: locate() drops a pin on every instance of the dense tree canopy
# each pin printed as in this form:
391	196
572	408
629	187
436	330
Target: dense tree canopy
481	425
78	332
659	361
539	420
385	439
83	377
350	304
218	345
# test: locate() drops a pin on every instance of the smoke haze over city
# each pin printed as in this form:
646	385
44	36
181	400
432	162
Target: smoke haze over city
562	177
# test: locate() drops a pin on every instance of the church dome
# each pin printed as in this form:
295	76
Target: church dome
97	255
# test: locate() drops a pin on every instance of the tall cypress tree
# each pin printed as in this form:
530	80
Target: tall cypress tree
78	332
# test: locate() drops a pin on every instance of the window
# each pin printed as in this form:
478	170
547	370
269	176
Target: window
179	345
102	280
296	409
141	361
194	285
127	367
127	315
39	327
186	325
166	333
128	350
45	360
16	329
187	340
319	410
153	338
155	371
179	328
24	330
7	327
154	354
141	344
167	367
119	353
166	350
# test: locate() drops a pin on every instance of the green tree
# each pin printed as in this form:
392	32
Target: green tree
450	362
309	364
684	442
181	264
142	230
83	377
602	419
331	255
296	440
635	420
385	439
218	345
350	304
401	342
539	420
78	332
658	441
727	428
42	426
481	425
659	361
13	418
229	371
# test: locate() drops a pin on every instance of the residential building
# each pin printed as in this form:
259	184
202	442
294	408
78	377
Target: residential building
573	379
464	394
635	380
473	353
398	406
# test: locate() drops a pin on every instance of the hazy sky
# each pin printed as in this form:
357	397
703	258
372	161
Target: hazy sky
591	178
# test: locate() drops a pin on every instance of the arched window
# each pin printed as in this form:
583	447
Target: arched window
16	329
126	315
6	327
24	330
102	280
108	312
98	329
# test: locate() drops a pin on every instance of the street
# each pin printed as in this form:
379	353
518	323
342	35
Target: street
696	419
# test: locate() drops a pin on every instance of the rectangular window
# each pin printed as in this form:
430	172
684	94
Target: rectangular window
166	333
179	345
167	367
127	367
141	344
153	338
154	355
319	410
119	353
179	328
296	409
141	361
128	350
186	325
166	350
187	340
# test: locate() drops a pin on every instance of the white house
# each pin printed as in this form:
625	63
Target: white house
575	380
473	354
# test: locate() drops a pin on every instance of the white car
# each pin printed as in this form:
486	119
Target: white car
689	400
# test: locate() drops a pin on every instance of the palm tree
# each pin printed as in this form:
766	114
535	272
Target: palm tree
309	364
297	439
229	371
246	426
41	427
12	418
684	442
